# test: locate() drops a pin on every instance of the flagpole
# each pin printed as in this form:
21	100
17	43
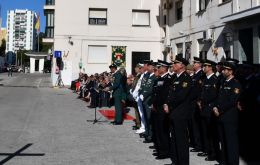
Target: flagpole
38	41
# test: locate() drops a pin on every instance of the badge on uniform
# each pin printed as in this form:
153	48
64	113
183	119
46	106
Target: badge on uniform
184	84
236	90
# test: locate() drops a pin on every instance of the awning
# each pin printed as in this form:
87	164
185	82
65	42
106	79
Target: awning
36	54
240	15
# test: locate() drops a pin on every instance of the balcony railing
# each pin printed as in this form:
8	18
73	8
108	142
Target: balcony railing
49	31
50	2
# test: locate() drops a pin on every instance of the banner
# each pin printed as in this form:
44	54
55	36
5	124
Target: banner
118	55
37	25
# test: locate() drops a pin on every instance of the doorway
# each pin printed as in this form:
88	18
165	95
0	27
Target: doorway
139	57
246	41
36	65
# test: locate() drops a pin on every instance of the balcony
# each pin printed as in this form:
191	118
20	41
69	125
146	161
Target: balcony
49	35
49	5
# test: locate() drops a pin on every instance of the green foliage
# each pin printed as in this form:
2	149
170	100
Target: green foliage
2	48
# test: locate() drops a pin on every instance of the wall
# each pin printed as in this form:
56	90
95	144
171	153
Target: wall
118	32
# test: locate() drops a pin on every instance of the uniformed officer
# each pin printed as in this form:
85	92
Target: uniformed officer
139	100
138	71
160	117
194	122
208	121
145	93
177	105
118	87
225	108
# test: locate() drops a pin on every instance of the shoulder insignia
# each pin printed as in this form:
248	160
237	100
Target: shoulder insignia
236	90
184	84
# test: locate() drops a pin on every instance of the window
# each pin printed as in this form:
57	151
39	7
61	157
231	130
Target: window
97	16
204	47
203	4
97	54
164	19
141	17
50	2
179	48
49	29
179	10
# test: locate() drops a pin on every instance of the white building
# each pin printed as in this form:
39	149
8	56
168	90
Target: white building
86	31
20	30
212	29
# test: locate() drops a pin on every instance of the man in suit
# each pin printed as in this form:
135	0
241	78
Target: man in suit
177	105
225	109
118	88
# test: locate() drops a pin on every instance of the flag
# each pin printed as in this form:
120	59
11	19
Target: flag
37	25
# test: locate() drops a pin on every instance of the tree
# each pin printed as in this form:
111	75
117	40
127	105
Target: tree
2	48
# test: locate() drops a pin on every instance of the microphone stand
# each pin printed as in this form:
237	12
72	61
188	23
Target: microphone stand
95	116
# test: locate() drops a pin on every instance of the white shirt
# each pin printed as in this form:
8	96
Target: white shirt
178	75
208	77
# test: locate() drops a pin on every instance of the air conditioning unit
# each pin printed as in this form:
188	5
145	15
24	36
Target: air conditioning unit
168	5
208	34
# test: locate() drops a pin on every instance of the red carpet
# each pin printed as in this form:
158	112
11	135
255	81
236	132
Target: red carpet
110	114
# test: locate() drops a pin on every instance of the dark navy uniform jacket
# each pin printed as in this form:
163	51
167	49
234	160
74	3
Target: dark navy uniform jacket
178	96
227	100
208	95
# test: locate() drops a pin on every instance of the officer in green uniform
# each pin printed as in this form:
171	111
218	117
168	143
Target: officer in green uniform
145	93
118	89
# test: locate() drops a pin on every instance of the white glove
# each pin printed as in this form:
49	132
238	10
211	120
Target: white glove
142	97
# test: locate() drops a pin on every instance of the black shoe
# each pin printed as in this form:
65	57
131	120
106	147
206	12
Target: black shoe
162	157
112	122
210	158
117	123
147	141
135	127
155	154
202	154
142	135
194	150
151	147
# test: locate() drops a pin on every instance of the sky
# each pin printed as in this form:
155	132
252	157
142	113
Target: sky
34	5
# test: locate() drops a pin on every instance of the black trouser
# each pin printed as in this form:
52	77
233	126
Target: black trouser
194	127
229	142
210	136
161	131
179	141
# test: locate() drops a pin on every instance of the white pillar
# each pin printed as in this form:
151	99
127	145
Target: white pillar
41	65
32	65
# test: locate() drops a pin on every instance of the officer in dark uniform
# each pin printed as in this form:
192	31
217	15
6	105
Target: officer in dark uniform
118	87
177	105
194	121
146	96
225	108
208	120
160	117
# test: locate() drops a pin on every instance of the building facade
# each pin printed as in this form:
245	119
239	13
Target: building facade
21	32
212	29
87	34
